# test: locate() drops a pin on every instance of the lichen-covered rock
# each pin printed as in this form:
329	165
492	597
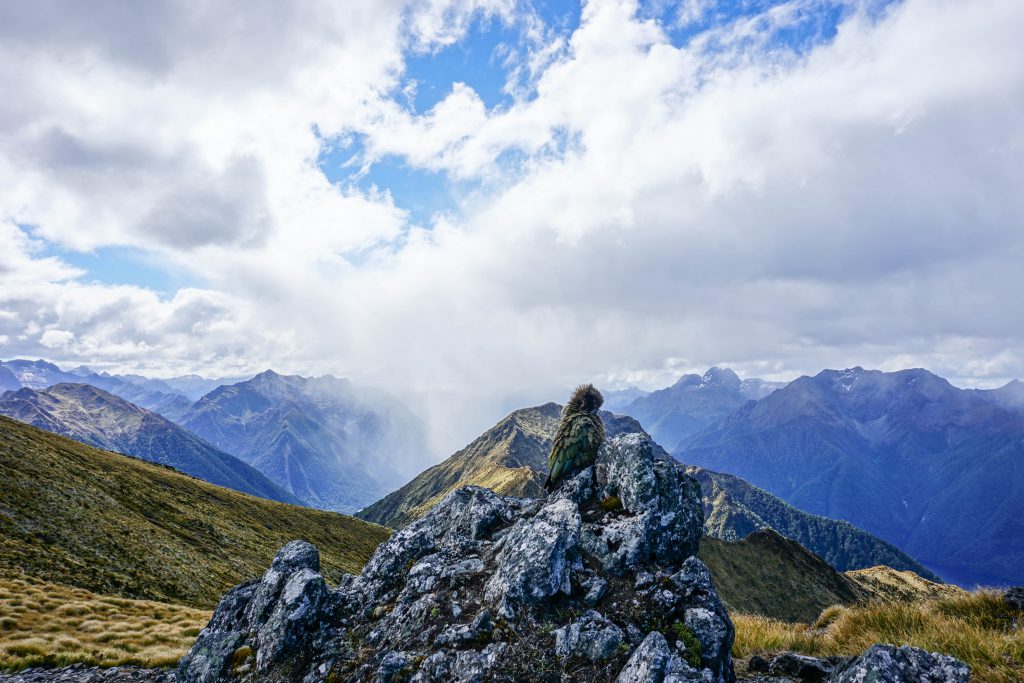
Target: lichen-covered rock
279	619
591	636
706	616
293	620
536	558
654	662
890	664
206	661
486	587
661	519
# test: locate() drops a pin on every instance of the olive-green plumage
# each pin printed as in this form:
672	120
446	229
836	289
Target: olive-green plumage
579	436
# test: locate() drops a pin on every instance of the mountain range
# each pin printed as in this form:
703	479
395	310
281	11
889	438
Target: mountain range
323	441
932	469
936	470
331	444
95	417
511	459
155	395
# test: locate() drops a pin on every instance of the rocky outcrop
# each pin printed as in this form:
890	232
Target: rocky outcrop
599	582
879	664
890	664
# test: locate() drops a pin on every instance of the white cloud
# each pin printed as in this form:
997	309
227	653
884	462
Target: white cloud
644	209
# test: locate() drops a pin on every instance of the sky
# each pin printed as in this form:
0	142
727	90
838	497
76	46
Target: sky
481	203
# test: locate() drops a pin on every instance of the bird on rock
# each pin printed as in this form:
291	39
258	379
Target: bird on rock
579	436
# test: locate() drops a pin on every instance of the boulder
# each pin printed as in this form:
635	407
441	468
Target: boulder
891	664
800	667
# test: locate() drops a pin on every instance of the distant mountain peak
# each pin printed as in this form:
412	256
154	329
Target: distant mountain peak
689	380
721	377
268	374
334	446
694	402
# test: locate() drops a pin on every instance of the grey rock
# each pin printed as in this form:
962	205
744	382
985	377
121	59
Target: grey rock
292	557
466	666
79	673
391	666
654	662
595	591
758	664
706	616
591	636
293	621
459	634
662	515
801	667
890	664
536	558
468	513
209	656
1014	598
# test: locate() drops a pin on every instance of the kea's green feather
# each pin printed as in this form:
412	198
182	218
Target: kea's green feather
576	444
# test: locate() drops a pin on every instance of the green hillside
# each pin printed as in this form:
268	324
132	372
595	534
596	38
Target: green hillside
111	524
775	577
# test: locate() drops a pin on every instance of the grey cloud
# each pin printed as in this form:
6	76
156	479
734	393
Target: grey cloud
205	208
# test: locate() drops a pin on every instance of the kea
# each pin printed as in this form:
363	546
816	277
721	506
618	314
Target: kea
579	436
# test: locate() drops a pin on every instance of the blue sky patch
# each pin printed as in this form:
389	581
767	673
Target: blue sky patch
124	266
420	192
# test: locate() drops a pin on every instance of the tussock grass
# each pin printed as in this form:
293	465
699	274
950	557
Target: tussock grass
68	625
975	627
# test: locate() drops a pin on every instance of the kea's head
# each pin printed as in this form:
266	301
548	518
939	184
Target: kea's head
586	399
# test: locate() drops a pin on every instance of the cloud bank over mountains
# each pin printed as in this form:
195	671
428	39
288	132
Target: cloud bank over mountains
658	188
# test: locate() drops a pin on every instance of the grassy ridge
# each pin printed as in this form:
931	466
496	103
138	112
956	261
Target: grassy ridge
975	627
114	525
45	624
770	575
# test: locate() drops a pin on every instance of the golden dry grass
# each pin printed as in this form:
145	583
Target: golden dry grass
51	624
975	627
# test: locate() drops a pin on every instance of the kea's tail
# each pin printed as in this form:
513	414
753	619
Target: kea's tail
549	485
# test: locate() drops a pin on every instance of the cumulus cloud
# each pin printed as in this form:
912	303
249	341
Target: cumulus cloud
644	206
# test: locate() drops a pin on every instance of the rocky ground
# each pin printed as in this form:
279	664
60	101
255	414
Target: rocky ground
80	673
598	582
